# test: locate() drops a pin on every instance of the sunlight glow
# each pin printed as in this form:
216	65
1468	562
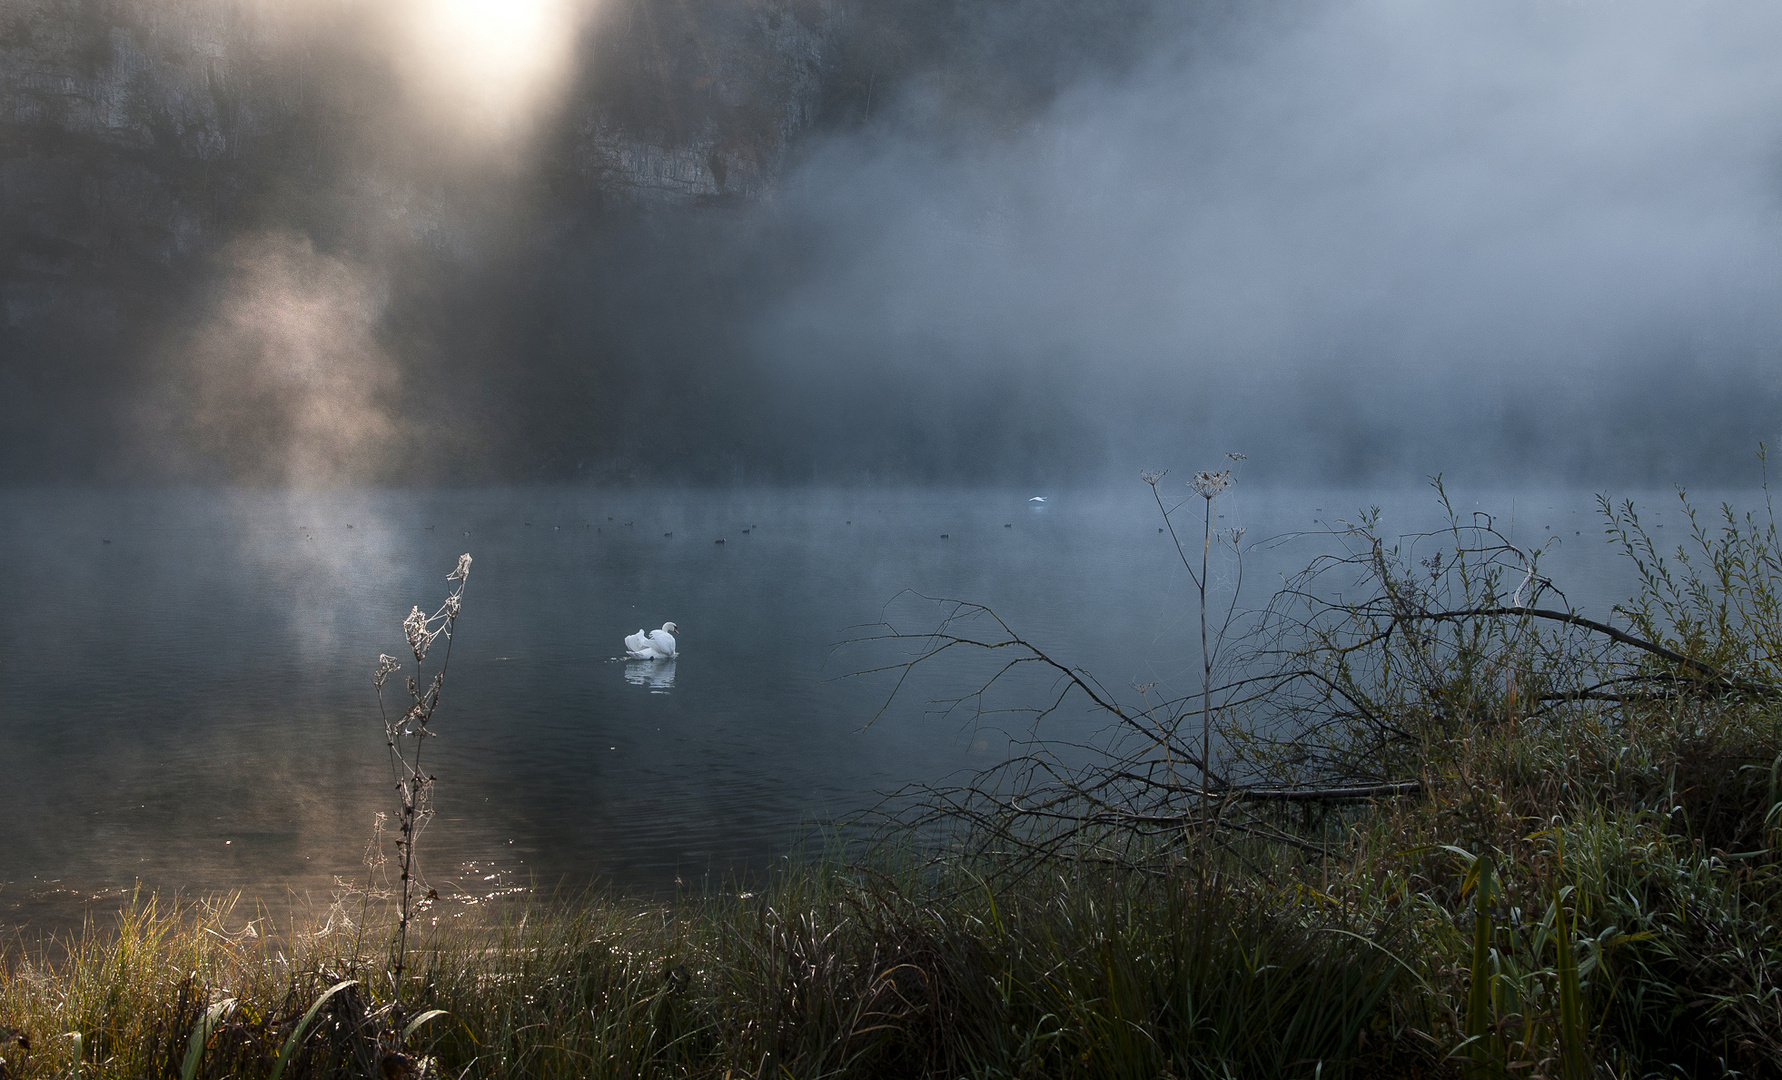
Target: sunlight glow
486	67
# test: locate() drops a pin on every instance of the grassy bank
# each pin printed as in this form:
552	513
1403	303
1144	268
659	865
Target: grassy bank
1567	863
1636	868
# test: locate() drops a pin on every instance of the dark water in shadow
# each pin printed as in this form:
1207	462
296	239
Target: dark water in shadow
185	696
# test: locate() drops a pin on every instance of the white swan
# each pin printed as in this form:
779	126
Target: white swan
653	645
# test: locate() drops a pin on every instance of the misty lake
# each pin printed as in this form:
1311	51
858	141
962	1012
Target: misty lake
185	676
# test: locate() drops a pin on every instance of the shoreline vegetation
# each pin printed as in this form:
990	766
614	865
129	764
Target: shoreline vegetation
1415	818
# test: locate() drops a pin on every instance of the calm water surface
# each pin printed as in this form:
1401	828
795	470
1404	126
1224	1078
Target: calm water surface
185	696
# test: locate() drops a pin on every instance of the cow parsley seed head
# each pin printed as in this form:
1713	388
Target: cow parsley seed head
386	666
415	628
1209	484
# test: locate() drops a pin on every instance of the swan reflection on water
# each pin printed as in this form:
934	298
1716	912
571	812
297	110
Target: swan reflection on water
658	675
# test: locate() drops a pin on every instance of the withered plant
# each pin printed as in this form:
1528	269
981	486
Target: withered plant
406	735
1354	683
1209	486
1386	651
1151	780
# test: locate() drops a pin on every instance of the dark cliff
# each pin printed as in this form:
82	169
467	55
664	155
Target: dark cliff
226	235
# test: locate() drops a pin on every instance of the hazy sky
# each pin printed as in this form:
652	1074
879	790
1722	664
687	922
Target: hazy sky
1017	239
1392	233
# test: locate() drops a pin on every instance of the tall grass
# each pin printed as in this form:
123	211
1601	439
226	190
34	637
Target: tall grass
1613	935
824	970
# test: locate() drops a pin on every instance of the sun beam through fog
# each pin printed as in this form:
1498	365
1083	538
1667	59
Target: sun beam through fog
485	68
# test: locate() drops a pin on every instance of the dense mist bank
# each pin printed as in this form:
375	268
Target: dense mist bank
787	240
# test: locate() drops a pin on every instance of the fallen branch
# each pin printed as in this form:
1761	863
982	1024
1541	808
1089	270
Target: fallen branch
1360	793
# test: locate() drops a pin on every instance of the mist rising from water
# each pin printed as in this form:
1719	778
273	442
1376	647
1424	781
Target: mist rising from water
816	240
1360	237
286	380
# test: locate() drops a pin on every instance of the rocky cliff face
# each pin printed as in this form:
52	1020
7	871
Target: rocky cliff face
221	219
134	130
132	137
129	134
137	137
688	104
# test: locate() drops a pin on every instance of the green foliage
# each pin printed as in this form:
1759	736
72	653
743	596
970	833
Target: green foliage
1718	596
1448	634
296	1037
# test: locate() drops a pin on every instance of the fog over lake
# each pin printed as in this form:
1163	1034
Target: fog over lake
769	318
186	699
307	243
